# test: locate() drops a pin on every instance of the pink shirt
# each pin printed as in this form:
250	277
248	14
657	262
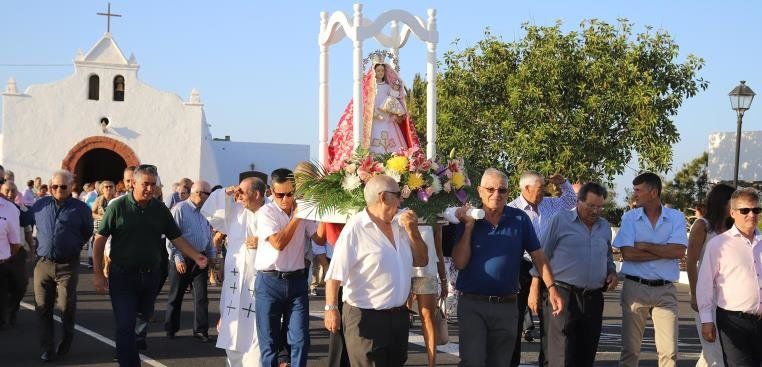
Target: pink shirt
730	275
10	230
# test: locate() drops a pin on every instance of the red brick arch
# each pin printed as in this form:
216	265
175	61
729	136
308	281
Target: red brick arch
94	142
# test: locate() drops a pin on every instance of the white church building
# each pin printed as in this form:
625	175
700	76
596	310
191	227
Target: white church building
102	118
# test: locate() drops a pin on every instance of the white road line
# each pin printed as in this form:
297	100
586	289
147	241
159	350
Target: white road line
100	338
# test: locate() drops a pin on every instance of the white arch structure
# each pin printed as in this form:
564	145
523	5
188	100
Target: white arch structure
338	25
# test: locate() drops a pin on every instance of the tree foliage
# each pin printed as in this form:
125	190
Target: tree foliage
579	103
689	186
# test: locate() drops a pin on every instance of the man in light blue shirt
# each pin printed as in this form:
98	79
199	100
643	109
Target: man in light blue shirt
198	232
652	239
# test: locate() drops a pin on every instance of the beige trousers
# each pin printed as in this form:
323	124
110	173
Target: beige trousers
638	300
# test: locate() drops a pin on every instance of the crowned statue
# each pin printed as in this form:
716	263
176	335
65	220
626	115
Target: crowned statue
387	126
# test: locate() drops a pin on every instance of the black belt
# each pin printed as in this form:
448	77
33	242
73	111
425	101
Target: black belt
58	261
507	298
574	289
648	282
393	309
284	274
743	315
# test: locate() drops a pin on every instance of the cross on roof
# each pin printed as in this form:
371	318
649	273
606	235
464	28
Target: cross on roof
108	14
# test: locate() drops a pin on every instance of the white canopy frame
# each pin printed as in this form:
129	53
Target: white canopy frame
338	25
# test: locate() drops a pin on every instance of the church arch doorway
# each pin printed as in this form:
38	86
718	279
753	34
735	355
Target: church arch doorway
99	158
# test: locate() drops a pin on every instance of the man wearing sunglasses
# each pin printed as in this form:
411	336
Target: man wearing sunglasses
64	224
729	278
652	238
487	254
281	283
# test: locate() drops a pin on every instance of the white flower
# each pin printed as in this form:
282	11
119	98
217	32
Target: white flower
351	168
350	182
434	166
447	187
436	186
394	174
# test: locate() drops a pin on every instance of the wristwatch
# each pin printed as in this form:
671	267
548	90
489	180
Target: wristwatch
331	307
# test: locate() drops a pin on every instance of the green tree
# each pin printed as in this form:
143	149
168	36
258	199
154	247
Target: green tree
579	103
689	185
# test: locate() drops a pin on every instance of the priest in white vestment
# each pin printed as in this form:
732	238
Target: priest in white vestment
231	211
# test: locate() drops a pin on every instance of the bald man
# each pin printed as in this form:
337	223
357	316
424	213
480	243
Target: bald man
197	230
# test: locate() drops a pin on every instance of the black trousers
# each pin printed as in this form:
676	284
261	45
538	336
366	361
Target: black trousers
375	338
741	338
178	285
13	284
337	347
55	284
525	280
573	335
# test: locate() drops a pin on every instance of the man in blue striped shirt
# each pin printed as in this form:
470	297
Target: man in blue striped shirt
198	232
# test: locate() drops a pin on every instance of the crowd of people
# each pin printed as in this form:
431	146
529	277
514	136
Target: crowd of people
550	255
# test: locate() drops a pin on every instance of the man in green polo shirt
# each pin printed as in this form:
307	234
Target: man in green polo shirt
136	222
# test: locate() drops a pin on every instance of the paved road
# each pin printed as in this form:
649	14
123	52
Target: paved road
19	346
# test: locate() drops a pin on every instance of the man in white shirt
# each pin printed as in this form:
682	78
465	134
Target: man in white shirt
281	283
373	260
730	278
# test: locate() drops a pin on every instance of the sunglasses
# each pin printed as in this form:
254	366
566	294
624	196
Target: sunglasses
280	195
56	187
108	187
745	211
396	194
500	190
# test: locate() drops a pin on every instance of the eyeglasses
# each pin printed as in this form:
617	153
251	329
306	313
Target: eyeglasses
396	194
280	195
500	190
56	187
207	193
745	211
108	187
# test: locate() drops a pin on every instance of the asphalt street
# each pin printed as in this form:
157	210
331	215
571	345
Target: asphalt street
93	343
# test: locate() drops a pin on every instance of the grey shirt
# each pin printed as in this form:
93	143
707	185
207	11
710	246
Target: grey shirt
195	228
578	256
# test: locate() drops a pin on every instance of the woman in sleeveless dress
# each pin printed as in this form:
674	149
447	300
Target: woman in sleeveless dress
716	221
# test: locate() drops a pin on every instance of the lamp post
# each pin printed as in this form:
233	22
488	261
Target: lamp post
740	101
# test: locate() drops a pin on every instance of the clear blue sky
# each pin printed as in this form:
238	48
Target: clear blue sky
255	63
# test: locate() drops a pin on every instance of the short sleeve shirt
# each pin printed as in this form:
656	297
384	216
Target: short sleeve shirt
496	253
671	228
136	232
271	219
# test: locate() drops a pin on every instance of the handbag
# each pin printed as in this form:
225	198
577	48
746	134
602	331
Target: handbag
440	322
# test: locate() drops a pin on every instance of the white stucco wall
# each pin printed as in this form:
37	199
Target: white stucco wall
722	150
234	157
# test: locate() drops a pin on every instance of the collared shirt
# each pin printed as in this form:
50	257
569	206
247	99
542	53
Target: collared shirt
195	229
10	231
496	253
730	275
27	197
272	219
578	255
374	272
669	229
136	231
547	208
62	229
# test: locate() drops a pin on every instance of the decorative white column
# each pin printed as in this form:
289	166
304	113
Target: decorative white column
323	97
357	113
431	91
394	50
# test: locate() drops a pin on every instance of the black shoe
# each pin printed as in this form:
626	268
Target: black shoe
204	338
47	356
170	335
63	347
141	344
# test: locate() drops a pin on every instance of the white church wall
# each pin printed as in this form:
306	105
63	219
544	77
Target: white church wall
722	150
234	157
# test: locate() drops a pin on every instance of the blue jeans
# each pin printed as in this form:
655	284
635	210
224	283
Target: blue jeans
133	293
282	300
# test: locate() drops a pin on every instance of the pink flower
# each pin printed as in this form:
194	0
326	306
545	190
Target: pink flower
447	187
429	191
405	192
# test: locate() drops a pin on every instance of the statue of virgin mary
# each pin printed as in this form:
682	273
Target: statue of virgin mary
387	126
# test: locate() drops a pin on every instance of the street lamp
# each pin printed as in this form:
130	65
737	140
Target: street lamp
740	101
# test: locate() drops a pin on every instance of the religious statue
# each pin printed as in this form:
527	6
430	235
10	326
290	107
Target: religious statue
387	126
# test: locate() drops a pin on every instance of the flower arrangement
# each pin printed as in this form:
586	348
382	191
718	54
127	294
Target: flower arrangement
426	187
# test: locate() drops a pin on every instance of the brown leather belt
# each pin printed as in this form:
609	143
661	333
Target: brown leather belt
506	298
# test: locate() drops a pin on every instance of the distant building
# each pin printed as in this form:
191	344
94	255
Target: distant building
103	118
722	150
